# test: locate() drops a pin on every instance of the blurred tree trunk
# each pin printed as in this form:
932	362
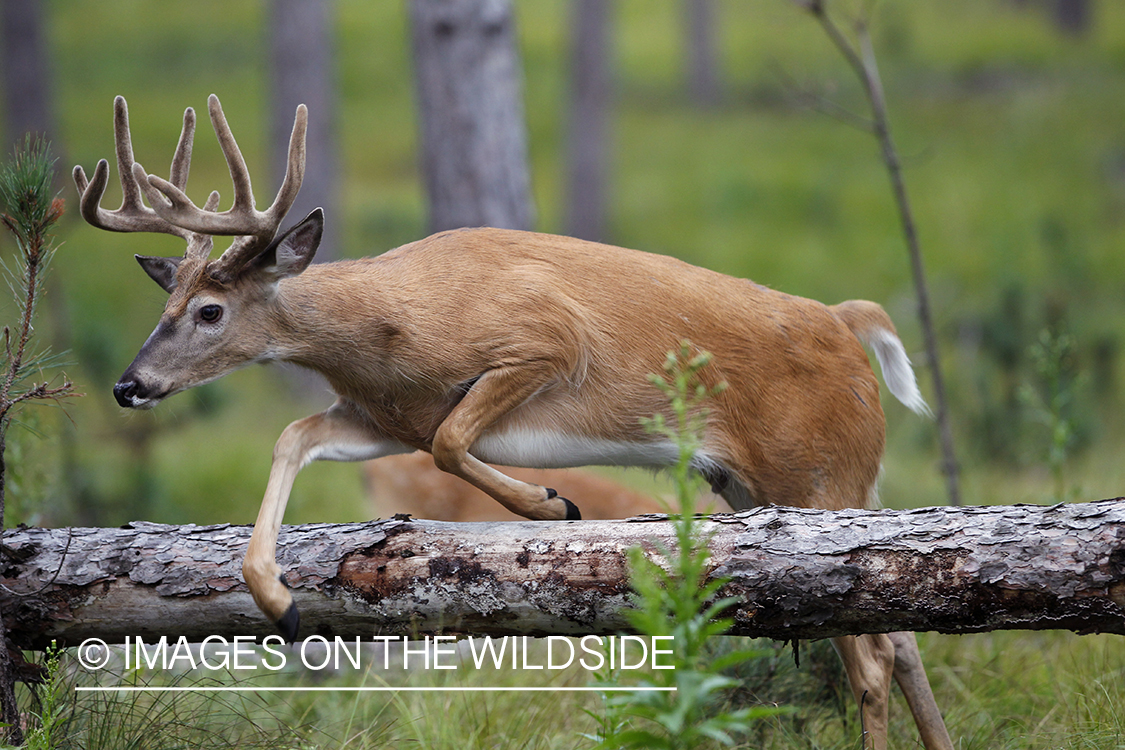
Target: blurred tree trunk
473	136
23	56
1073	17
704	80
302	70
588	120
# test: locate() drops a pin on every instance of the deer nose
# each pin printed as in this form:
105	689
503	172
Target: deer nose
125	391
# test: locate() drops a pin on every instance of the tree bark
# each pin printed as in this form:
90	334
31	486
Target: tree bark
302	70
470	101
26	70
587	146
1073	17
796	573
704	81
9	708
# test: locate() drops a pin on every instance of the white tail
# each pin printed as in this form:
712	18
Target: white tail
871	325
508	347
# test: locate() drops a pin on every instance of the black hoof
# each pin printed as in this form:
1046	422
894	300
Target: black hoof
572	509
289	623
572	512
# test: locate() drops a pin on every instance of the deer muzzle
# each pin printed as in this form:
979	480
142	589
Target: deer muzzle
134	394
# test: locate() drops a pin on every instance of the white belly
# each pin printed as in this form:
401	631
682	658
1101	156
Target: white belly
547	449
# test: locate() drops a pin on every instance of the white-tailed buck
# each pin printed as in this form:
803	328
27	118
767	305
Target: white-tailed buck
514	348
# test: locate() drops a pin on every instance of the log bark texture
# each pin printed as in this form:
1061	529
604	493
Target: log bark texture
797	573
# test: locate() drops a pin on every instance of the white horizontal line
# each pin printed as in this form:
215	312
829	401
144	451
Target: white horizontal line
318	689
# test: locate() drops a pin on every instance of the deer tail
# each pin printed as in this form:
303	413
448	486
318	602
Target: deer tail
872	326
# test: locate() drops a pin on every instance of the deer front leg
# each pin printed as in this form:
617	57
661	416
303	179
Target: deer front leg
869	662
496	393
338	434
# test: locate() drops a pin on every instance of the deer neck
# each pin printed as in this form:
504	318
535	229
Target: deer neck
329	321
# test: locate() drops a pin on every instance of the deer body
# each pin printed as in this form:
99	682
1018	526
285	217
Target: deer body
405	336
486	345
574	328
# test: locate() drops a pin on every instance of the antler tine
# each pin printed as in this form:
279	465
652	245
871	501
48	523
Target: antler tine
239	174
132	215
259	227
240	252
181	161
294	167
123	147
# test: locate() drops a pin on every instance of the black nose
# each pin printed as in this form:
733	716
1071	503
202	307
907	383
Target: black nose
125	391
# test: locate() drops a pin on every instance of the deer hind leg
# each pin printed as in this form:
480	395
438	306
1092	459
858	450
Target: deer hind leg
911	677
338	434
869	663
493	395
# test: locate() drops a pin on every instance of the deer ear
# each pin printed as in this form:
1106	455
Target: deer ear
292	252
161	270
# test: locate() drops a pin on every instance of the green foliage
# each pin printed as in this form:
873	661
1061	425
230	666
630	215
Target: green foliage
27	196
52	702
1071	689
29	211
674	598
113	720
686	396
1051	403
30	477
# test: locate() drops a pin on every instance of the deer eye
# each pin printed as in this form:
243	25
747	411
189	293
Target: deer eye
210	313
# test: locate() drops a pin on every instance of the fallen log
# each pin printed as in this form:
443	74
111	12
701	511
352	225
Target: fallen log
796	573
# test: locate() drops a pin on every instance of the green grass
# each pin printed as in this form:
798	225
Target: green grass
1069	692
1009	690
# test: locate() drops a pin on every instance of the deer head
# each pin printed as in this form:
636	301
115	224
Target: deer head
214	321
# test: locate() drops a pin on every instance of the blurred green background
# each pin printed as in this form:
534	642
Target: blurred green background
1012	133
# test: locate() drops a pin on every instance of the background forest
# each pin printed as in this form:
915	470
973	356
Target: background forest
1010	118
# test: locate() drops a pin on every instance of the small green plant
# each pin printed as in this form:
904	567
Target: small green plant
29	210
44	735
1050	402
675	598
